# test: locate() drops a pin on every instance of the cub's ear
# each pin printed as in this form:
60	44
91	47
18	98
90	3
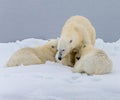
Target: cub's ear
70	41
75	51
52	46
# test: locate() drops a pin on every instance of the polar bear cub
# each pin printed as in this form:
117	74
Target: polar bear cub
38	55
92	61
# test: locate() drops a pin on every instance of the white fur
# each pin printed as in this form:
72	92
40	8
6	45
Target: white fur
68	60
93	61
39	55
80	31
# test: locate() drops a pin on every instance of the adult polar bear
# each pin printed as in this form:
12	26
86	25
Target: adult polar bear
77	31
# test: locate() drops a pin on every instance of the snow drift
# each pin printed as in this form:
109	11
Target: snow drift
53	81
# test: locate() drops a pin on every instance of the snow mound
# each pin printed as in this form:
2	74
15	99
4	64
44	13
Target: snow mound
53	81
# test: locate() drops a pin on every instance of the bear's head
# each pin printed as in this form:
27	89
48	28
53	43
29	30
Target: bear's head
84	50
66	45
52	45
79	53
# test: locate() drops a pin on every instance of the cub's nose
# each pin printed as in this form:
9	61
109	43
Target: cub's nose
77	58
59	58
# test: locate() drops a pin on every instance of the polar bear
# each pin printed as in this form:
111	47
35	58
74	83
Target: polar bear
92	61
77	31
38	55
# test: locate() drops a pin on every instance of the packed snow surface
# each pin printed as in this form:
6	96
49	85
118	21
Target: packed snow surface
53	81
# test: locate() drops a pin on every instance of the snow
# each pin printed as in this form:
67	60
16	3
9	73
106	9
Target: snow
53	81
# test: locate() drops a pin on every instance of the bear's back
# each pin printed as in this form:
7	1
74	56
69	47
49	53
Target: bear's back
83	23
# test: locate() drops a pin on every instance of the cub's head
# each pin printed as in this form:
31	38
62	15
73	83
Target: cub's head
52	44
84	50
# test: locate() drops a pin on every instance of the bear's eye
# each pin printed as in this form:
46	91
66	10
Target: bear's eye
70	41
53	46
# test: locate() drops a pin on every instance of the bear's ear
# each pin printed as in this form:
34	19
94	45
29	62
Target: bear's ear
52	46
70	41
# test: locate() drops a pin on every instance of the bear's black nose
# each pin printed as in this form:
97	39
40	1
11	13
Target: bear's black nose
59	58
77	58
